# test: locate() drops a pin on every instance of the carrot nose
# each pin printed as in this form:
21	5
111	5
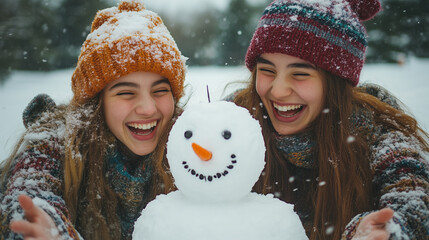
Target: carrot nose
201	152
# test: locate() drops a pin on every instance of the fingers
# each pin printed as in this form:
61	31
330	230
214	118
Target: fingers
26	228
384	215
373	226
37	224
30	210
23	227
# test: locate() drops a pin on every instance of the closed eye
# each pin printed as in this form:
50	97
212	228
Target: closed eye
266	70
124	93
162	90
301	74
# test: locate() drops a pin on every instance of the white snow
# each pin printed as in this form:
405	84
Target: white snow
409	82
252	219
142	26
129	23
213	200
335	7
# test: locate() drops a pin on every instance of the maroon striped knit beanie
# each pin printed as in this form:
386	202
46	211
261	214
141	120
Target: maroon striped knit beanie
327	33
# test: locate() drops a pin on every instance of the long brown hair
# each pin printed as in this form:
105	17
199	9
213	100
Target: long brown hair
88	196
96	217
342	168
89	199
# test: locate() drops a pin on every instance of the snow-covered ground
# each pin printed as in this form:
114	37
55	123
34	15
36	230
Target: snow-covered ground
409	82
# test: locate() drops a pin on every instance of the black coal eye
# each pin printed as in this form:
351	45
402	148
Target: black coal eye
226	134
188	134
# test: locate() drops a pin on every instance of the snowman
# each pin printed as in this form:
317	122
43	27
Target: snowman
216	154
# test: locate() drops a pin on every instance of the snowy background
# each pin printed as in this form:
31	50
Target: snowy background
409	82
180	6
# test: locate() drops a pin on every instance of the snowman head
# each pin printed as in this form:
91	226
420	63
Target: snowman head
215	152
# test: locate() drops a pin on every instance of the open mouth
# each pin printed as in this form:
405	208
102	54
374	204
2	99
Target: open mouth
142	129
288	111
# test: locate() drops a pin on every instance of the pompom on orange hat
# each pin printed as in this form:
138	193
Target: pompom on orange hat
123	40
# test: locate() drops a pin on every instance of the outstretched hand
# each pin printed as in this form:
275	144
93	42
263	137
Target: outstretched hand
373	226
37	224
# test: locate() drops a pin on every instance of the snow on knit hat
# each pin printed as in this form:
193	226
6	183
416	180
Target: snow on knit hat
327	33
123	40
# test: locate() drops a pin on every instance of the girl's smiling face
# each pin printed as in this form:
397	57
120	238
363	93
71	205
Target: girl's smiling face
291	90
137	107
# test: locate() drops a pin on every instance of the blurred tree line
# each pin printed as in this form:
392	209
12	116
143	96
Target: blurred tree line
43	34
399	31
48	34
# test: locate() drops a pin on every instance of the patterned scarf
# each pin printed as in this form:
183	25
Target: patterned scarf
129	177
299	148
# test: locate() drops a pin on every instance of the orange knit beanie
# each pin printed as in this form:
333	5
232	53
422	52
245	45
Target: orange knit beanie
126	39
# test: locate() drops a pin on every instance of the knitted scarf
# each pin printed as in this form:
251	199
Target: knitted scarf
129	177
298	149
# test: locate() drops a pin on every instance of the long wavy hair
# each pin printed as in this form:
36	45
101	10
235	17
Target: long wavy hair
344	178
89	198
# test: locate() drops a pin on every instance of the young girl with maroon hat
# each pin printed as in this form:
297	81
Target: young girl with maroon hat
349	158
87	169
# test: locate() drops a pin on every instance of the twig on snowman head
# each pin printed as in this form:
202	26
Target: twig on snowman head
208	93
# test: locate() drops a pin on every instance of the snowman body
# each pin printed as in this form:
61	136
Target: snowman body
216	154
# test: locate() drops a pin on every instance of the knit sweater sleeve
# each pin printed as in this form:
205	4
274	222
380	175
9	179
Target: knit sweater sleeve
401	180
37	172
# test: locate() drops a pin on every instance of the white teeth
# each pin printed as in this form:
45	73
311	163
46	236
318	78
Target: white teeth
286	108
143	126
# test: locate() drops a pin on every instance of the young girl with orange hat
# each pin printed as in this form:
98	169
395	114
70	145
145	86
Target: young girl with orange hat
86	169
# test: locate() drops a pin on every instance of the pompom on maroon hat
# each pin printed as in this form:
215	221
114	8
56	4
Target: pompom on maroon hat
327	33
